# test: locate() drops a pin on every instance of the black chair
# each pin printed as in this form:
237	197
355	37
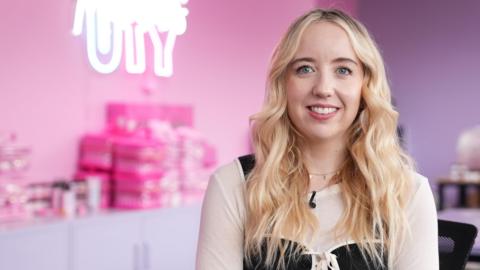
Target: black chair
455	241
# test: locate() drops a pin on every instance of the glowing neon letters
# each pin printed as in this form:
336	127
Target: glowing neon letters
107	22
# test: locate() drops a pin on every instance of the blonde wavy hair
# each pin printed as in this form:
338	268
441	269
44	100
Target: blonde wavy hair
375	179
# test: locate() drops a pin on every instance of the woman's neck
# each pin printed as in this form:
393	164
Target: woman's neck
324	158
323	161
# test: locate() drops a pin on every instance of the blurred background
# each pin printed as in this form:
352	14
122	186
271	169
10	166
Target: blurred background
106	149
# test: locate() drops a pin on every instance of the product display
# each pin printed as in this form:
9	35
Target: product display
14	162
13	201
135	119
96	152
94	186
14	157
148	156
152	155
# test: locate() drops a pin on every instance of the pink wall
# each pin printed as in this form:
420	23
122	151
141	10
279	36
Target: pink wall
49	94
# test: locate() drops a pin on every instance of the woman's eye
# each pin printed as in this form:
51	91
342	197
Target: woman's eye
304	70
344	71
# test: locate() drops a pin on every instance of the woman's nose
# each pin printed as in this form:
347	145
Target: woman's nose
323	86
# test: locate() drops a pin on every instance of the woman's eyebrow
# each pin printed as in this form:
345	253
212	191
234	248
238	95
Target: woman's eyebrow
312	60
344	59
302	59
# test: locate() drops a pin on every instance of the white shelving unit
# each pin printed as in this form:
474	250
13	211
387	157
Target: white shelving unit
126	240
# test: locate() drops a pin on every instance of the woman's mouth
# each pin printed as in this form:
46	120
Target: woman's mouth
322	113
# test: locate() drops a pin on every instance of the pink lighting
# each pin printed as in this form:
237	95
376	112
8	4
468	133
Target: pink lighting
108	21
219	68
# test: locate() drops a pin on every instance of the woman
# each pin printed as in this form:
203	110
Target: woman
331	188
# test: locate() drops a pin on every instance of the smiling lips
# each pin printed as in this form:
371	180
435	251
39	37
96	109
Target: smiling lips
322	112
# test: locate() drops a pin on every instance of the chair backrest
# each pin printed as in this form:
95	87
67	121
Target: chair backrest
455	241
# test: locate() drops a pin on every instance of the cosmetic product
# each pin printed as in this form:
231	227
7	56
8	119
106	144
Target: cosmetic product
94	191
68	201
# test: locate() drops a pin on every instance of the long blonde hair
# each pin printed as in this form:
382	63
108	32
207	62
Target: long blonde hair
376	177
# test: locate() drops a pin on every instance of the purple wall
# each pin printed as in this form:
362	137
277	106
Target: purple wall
432	53
349	6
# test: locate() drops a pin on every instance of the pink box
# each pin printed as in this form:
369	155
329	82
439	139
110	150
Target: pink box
134	183
141	149
139	168
143	201
131	200
131	119
140	157
96	151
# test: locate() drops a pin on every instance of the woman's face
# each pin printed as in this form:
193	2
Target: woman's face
323	83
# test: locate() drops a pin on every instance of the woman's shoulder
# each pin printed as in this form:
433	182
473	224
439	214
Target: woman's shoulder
230	173
229	180
421	192
419	182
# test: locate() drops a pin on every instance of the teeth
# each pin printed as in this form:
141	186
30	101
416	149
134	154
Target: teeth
321	110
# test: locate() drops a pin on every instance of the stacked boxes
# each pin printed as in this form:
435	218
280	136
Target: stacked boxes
96	162
196	155
142	177
152	154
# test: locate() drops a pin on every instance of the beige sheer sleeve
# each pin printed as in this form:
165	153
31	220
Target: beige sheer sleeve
421	248
220	243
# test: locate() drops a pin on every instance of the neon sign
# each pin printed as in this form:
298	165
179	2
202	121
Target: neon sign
110	24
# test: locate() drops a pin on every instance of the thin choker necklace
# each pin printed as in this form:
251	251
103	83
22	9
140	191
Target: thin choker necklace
323	175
